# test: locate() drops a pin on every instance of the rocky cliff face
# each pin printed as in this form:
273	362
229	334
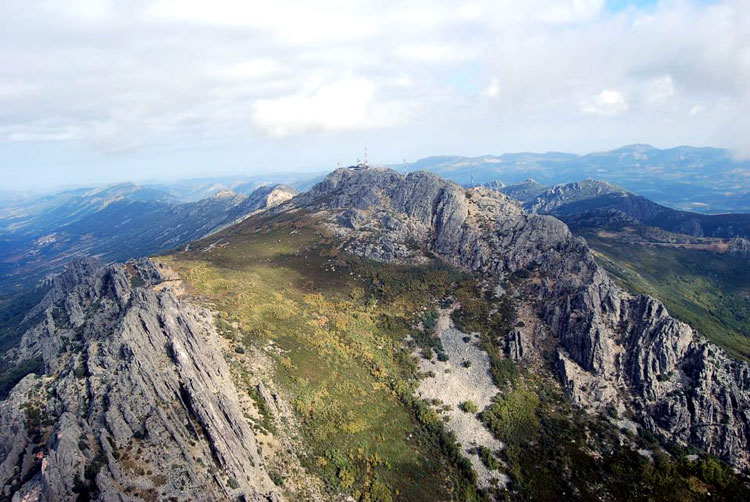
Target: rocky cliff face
612	349
135	402
269	196
739	245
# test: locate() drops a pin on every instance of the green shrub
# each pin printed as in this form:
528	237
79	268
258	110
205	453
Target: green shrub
504	370
80	370
468	407
429	320
713	471
512	417
379	492
488	458
276	477
612	412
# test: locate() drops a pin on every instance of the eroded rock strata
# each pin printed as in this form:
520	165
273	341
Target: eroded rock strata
134	403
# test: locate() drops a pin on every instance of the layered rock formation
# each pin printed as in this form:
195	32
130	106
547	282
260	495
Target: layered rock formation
262	198
135	401
612	349
269	196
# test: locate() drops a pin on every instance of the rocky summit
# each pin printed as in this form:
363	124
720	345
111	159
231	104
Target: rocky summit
611	348
337	300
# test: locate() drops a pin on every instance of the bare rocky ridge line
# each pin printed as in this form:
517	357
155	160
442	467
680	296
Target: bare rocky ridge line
258	201
136	399
135	403
612	348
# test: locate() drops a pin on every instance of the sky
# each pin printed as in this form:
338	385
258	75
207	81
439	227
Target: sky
102	91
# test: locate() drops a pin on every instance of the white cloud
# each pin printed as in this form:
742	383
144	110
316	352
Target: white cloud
115	75
660	89
347	104
436	53
493	88
607	103
569	12
41	133
250	69
283	20
16	89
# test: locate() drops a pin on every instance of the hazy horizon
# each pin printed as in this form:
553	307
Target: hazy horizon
145	179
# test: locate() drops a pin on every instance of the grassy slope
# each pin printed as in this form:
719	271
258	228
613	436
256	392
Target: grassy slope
339	326
340	322
708	290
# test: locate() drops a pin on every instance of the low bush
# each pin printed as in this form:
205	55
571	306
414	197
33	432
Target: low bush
468	407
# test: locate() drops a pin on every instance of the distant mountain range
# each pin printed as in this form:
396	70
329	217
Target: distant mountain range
191	190
592	199
695	263
706	180
38	234
113	223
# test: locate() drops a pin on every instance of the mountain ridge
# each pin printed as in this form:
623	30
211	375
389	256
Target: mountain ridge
582	307
123	228
129	371
703	179
549	307
591	197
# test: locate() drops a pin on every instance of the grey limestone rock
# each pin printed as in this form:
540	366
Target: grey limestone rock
135	401
612	348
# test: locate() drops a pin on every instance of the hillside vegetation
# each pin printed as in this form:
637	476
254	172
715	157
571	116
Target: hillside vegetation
337	327
337	324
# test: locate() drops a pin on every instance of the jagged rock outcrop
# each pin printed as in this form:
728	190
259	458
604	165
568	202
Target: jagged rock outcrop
558	196
269	196
494	185
524	191
262	198
612	348
135	402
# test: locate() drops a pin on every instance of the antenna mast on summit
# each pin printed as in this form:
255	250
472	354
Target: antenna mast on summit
361	164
